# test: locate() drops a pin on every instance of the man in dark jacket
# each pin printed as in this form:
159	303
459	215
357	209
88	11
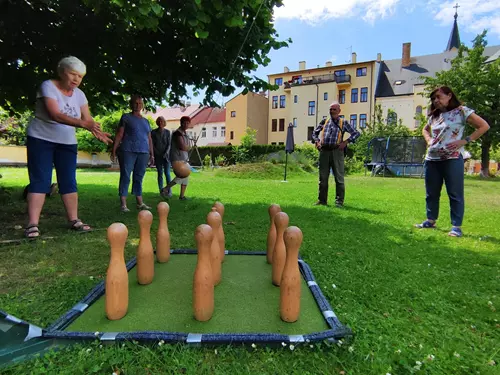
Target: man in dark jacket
161	145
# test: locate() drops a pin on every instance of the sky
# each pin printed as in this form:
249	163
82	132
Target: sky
328	30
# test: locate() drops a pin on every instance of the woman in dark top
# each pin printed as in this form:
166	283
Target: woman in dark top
136	150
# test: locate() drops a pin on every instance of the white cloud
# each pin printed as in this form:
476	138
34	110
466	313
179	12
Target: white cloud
473	15
317	11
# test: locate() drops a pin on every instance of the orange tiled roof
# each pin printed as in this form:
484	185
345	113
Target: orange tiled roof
209	115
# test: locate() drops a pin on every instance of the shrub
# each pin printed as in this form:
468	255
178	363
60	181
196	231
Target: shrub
220	160
207	161
14	128
309	151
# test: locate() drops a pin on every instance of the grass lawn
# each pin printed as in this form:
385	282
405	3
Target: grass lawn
418	301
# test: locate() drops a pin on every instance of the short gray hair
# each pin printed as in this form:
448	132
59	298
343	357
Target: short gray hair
72	63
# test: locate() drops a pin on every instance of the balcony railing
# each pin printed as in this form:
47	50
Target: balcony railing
319	79
343	79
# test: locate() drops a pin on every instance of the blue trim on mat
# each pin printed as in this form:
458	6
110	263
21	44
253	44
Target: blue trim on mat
337	329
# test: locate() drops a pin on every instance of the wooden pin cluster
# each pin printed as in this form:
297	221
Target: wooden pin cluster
283	244
117	283
210	244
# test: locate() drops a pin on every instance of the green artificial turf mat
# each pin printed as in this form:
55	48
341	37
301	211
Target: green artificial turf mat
245	301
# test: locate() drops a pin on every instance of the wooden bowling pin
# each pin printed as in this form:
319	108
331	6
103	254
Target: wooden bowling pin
291	284
220	234
279	254
214	220
271	235
145	255
117	276
203	286
163	235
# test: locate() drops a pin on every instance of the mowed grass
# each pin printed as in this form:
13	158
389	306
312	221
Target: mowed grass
417	301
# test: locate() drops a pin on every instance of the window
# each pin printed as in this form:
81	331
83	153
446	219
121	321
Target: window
295	98
231	135
340	73
392	118
311	109
325	96
362	121
203	133
273	143
282	124
354	120
233	113
360	72
295	122
223	131
275	102
342	96
274	126
354	95
418	113
214	132
310	130
282	101
278	81
281	143
364	94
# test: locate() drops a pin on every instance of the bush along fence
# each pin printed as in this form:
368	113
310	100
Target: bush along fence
228	155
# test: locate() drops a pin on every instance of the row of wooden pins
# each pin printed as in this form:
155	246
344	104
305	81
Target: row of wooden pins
117	293
283	244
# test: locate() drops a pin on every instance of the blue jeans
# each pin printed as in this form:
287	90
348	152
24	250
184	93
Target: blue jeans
136	162
452	173
42	155
162	166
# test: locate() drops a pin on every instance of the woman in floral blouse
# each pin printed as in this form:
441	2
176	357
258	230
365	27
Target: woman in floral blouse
444	159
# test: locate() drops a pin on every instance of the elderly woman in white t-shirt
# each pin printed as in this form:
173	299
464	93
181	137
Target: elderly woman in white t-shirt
61	107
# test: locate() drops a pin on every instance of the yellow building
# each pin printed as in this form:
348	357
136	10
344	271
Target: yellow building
304	96
249	110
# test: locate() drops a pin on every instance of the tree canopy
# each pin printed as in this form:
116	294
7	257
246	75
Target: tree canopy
476	84
157	48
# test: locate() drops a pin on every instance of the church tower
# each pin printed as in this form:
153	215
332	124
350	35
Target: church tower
454	41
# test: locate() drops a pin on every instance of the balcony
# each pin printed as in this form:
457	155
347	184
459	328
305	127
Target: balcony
343	80
325	78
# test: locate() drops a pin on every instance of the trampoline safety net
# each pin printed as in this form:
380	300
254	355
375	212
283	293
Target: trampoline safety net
397	155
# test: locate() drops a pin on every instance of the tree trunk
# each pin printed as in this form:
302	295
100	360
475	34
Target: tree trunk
485	158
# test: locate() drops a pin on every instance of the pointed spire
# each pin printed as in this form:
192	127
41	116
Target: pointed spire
454	41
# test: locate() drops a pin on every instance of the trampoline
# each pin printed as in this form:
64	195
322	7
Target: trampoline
396	156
